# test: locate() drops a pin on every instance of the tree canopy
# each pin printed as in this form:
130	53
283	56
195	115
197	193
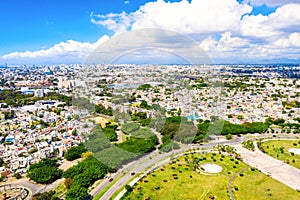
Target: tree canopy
45	171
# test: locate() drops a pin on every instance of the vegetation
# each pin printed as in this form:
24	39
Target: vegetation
102	110
254	185
179	180
129	127
279	149
144	87
110	132
16	98
228	129
45	171
45	196
176	128
248	145
75	152
1	162
82	176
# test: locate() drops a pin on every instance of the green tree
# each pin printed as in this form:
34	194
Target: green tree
76	192
75	152
1	162
45	171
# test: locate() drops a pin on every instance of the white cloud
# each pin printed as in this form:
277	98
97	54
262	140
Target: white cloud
292	41
126	2
199	16
71	49
228	29
115	22
208	44
270	2
237	49
284	20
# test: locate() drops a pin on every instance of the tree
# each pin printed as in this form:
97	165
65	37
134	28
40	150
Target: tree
129	127
1	162
76	192
45	171
229	137
17	175
128	188
75	152
144	105
68	182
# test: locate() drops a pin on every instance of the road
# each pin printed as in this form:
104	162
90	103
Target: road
277	169
146	162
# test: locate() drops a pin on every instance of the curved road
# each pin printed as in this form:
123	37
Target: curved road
145	162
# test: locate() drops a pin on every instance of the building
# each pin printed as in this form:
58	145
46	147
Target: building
39	93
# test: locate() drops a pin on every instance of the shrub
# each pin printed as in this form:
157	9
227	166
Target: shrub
68	182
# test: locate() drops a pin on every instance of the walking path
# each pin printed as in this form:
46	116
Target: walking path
270	166
231	180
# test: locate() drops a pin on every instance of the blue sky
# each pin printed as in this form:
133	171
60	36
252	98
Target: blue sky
35	25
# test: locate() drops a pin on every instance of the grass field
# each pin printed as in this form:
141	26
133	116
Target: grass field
179	181
254	185
279	149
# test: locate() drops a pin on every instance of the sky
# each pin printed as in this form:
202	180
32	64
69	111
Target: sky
229	31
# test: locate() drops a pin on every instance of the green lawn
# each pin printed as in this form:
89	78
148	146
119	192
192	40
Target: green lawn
189	184
254	185
279	149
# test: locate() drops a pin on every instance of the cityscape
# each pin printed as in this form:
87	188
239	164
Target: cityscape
196	106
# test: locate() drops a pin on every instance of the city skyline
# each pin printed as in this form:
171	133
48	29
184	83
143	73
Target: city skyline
229	31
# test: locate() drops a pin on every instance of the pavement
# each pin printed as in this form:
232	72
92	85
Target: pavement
270	166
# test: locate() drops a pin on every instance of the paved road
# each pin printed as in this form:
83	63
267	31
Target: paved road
35	188
277	169
145	162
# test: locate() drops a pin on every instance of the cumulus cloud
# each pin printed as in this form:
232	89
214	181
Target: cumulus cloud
270	2
293	40
115	22
226	28
198	16
71	49
284	20
233	48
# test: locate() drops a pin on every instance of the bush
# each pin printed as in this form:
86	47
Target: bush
68	182
75	152
17	175
45	196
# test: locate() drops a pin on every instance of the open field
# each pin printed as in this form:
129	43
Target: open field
179	181
279	149
254	185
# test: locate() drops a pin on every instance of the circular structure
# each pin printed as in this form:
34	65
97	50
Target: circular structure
211	168
295	151
14	192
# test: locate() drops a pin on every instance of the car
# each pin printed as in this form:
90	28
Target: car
111	179
132	173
